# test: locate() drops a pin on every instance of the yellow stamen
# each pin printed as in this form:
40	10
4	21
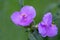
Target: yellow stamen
52	25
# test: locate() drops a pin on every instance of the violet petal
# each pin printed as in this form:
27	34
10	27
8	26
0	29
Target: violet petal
52	31
15	17
42	30
47	19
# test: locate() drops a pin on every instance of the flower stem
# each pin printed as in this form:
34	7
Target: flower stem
21	2
46	38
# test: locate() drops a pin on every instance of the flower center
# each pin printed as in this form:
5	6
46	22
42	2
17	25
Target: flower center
43	25
23	17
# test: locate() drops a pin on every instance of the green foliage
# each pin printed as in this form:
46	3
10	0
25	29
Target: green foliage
35	36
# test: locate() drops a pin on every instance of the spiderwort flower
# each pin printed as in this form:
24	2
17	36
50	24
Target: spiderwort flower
46	28
24	17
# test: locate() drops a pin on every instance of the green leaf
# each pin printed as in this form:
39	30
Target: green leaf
35	36
31	37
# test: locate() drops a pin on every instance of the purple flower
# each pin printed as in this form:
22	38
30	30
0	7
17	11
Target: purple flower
46	28
24	17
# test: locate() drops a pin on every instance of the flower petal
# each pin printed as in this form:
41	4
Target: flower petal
47	19
26	23
15	17
42	30
29	10
52	31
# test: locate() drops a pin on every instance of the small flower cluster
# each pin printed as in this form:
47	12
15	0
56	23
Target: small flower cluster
25	17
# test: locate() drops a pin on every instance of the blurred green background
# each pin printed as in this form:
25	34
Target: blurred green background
9	31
